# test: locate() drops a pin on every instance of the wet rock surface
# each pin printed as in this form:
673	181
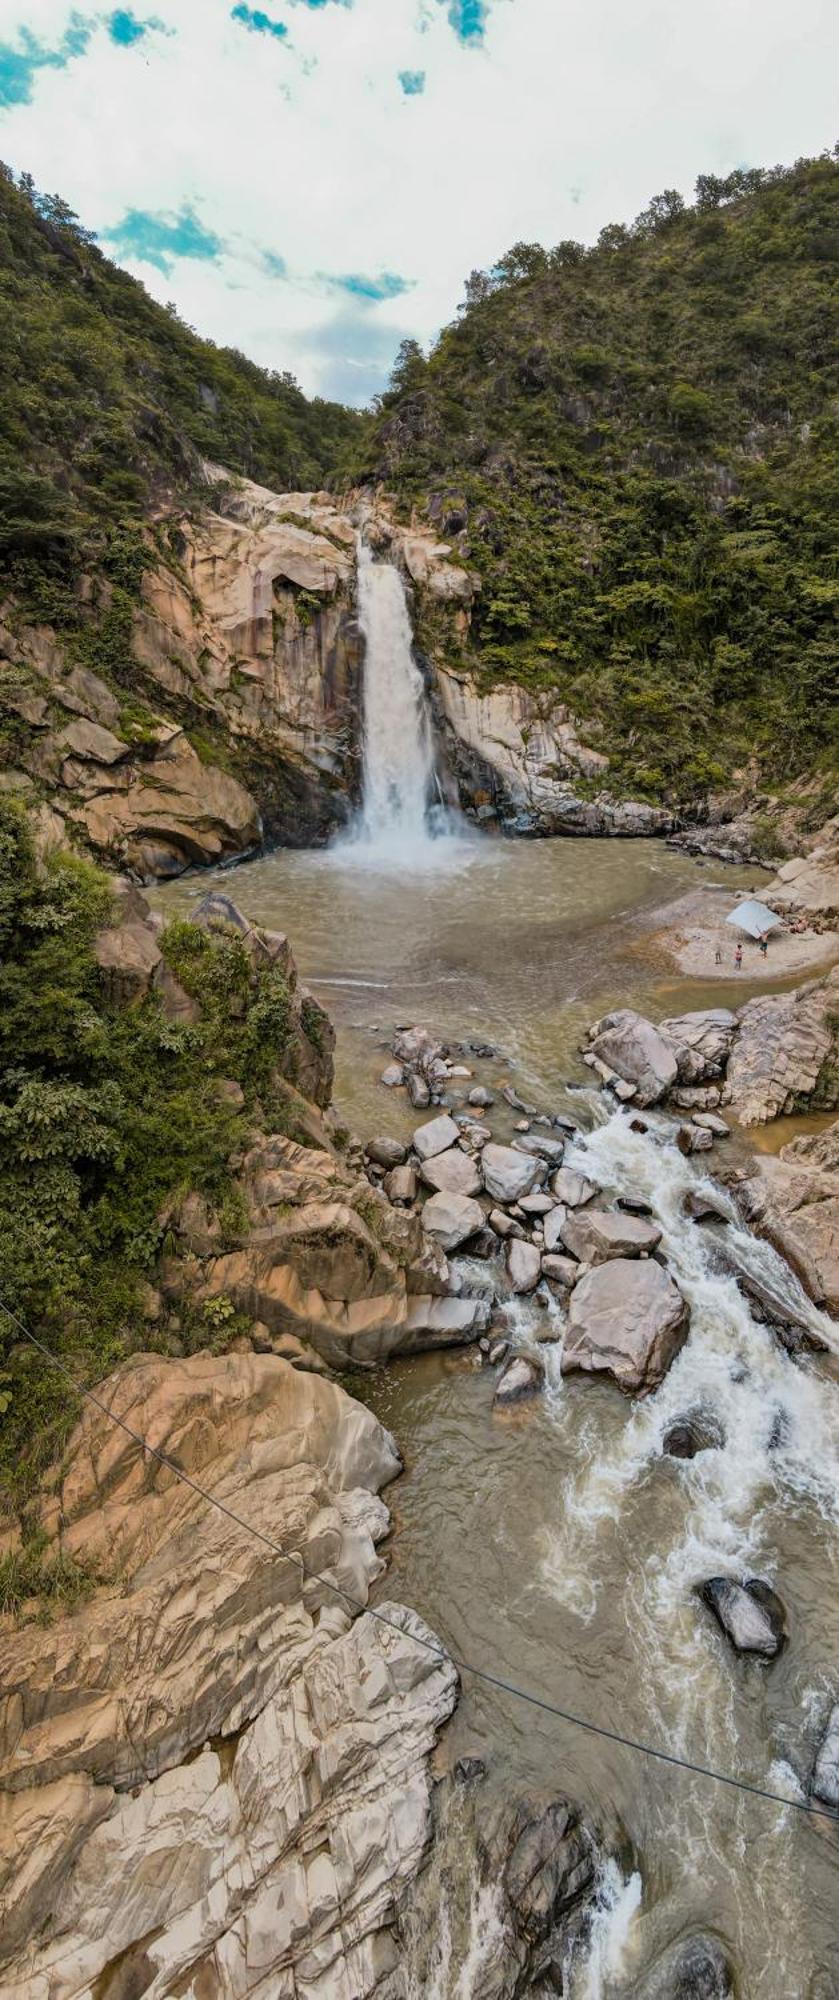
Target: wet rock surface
793	1199
750	1614
825	1780
695	1968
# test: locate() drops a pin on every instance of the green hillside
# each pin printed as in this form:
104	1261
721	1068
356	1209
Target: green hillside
636	448
108	402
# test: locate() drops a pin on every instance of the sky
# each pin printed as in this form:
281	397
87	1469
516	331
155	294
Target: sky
312	180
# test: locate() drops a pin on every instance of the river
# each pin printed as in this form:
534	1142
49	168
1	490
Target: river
557	1547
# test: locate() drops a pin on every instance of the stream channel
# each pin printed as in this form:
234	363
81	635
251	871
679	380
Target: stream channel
557	1546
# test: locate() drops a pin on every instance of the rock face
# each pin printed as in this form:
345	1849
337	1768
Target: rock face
518	757
628	1319
234	1808
793	1199
809	884
751	1615
694	1968
787	1052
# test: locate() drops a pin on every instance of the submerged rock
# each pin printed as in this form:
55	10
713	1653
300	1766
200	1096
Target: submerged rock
697	1431
751	1614
628	1319
825	1782
704	1207
523	1376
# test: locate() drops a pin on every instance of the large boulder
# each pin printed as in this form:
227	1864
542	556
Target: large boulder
627	1319
572	1188
251	1791
786	1056
751	1614
548	1869
508	1174
436	1137
596	1234
793	1199
451	1219
629	1045
701	1042
454	1172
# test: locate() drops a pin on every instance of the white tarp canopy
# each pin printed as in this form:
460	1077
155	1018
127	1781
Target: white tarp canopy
754	917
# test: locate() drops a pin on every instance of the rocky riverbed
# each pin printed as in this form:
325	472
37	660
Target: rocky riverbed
620	1456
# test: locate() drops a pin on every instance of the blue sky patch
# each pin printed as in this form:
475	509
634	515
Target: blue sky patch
412	81
259	23
19	66
125	29
372	290
159	239
468	18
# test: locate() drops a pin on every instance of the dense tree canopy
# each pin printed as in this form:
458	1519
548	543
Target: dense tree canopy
642	441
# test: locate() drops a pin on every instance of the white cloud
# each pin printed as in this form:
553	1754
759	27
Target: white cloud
569	114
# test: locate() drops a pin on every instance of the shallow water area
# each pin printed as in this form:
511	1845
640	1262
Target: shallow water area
557	1546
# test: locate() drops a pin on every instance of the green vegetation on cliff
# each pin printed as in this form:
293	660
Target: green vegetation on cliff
109	1114
108	402
635	446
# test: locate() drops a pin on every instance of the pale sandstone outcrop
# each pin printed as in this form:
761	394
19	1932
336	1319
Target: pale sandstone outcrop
219	1782
809	884
787	1046
793	1199
528	749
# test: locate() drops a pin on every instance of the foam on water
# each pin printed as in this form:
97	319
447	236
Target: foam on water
608	1953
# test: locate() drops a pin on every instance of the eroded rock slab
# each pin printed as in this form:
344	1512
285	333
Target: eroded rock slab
785	1054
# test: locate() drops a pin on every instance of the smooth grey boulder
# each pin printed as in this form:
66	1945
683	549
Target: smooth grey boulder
504	1225
710	1121
393	1076
572	1188
480	1097
825	1784
523	1376
435	1137
387	1152
553	1226
536	1204
451	1219
454	1171
524	1264
627	1319
751	1614
508	1174
597	1234
418	1090
636	1051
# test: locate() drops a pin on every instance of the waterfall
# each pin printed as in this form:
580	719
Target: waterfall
398	776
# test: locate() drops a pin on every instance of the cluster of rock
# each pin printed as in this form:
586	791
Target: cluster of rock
792	1198
777	1054
545	1224
215	1781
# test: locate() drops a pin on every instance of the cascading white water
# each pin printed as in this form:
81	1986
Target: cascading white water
398	755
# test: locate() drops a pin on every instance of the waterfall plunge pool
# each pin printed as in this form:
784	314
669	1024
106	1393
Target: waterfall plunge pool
556	1546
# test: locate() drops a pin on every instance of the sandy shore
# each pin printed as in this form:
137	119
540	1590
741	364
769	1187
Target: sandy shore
690	932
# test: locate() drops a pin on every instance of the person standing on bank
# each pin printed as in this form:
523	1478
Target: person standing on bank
738	957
